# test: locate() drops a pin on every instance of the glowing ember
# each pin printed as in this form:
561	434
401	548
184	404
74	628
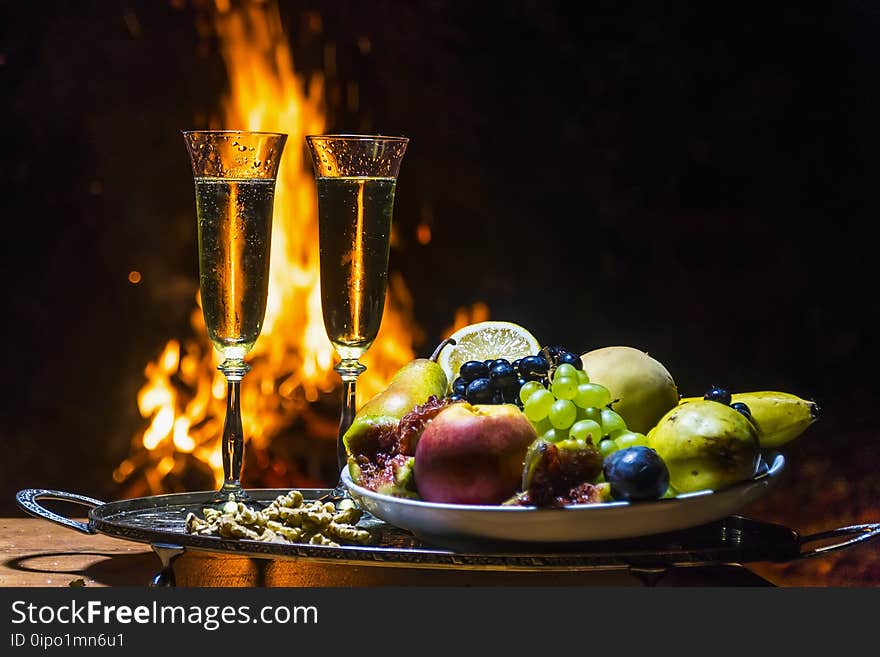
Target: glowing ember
184	395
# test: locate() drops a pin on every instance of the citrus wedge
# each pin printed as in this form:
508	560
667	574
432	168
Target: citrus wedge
485	341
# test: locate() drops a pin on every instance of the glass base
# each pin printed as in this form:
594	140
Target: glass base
230	493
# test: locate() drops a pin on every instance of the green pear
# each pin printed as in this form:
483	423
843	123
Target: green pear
706	445
413	384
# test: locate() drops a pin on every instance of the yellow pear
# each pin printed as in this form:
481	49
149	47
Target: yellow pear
643	387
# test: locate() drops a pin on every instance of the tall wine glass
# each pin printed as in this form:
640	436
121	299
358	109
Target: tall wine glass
356	177
235	188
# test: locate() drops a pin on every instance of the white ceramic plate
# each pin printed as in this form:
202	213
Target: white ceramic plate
450	523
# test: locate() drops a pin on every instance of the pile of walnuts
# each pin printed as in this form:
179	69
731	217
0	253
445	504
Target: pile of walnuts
288	519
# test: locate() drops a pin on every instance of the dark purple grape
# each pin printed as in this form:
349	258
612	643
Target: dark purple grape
498	397
508	387
533	368
742	408
571	359
479	391
456	398
515	365
502	375
718	394
459	387
511	395
636	473
472	370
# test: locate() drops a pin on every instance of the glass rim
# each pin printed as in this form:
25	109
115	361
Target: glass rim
234	132
356	137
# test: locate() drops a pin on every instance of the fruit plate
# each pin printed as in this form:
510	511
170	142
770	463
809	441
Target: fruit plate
456	525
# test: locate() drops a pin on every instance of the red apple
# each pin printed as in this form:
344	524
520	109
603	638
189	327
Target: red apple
473	454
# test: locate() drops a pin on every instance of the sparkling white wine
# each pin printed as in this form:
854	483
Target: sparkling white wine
355	231
235	233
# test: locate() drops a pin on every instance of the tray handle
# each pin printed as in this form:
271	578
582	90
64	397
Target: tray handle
27	501
856	534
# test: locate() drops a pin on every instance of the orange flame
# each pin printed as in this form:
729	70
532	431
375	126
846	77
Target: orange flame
183	398
465	316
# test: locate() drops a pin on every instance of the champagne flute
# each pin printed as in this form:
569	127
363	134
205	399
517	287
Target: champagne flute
234	175
356	176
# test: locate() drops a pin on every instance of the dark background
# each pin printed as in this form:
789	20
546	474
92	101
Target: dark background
695	179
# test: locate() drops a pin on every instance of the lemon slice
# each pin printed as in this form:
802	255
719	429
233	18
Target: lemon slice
484	341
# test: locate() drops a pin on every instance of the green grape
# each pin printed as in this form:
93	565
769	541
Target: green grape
542	426
583	377
592	394
562	414
564	387
592	413
565	370
554	435
607	447
581	397
628	438
580	430
611	421
528	389
538	405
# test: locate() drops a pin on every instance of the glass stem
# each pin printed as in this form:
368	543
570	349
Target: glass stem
233	435
349	370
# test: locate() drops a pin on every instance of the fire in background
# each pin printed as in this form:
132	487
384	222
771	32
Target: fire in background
290	398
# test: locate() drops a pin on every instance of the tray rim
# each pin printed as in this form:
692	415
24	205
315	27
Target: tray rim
570	558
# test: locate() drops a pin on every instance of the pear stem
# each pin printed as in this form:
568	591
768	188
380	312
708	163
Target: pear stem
439	348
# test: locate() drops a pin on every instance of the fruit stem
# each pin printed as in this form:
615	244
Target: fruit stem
551	362
439	348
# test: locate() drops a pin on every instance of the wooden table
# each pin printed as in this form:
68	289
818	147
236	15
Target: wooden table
35	552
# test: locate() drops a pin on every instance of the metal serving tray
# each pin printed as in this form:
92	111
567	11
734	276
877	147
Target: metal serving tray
159	521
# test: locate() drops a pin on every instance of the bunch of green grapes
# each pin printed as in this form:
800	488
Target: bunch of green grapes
572	407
